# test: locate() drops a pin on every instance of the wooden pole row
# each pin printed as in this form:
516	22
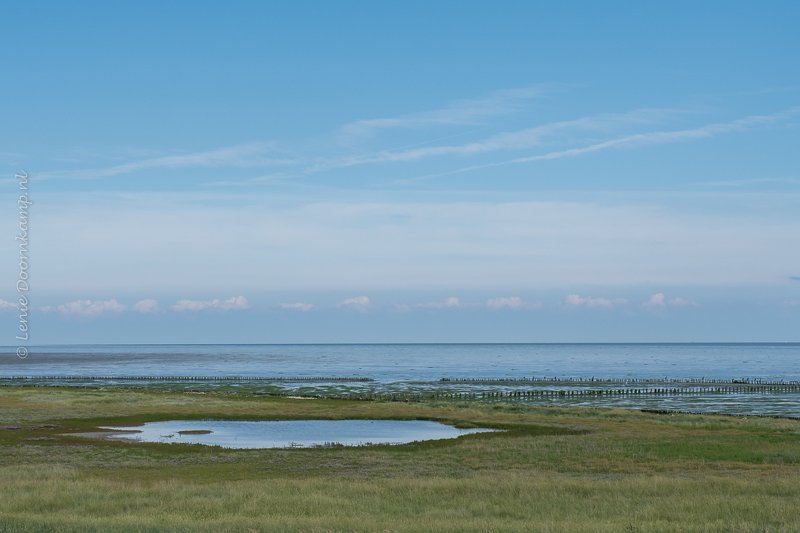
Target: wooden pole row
619	381
550	393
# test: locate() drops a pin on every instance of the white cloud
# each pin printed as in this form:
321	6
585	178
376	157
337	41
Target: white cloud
87	307
299	306
575	300
660	301
232	303
357	303
5	305
450	302
505	302
656	300
148	305
192	305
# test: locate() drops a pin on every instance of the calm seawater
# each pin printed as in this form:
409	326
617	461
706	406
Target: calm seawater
410	362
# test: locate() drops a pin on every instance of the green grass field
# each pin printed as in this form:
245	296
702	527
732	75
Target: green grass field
555	469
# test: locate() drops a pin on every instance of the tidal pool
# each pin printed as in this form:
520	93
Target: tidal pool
289	433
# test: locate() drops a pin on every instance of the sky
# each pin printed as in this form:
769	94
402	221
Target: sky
414	171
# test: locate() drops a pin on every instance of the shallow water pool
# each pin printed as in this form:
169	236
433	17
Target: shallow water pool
289	433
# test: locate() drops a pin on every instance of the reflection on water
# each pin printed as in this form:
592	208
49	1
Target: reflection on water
290	433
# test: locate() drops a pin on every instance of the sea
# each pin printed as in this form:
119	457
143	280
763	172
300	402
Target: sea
471	369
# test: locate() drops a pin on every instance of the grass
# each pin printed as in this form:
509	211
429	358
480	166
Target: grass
554	469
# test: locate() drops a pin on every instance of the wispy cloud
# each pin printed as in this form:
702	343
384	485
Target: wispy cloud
148	305
451	302
273	178
751	182
461	112
232	303
260	154
299	306
6	305
505	302
575	300
242	155
632	141
507	141
87	307
663	137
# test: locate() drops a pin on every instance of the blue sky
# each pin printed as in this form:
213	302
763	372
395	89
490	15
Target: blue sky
404	172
